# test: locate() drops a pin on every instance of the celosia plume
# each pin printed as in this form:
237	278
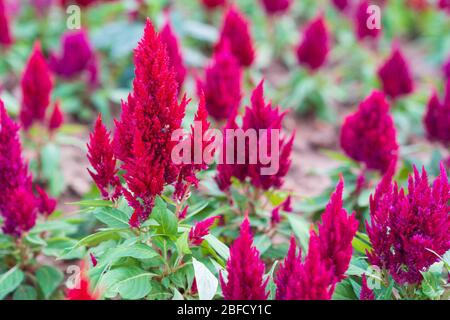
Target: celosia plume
103	161
315	45
36	87
46	204
446	69
366	293
236	32
336	233
142	140
260	115
212	4
361	22
222	84
369	135
82	3
437	117
200	230
75	57
395	75
276	6
5	33
245	269
56	118
187	171
341	4
18	205
408	230
445	5
174	52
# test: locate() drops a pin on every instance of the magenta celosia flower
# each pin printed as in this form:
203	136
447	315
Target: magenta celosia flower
276	6
183	213
369	135
260	116
82	290
336	233
366	293
46	204
395	75
18	205
361	18
56	118
437	117
82	3
446	69
169	38
142	140
222	85
408	230
103	161
212	4
75	57
200	230
310	280
341	4
287	204
445	5
245	269
187	173
315	45
275	217
36	87
236	32
5	33
93	259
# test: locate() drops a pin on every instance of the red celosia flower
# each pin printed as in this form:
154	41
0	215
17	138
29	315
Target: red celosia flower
102	159
260	116
369	135
395	75
46	204
287	204
366	293
56	118
200	230
183	213
212	4
437	118
245	269
36	88
173	50
142	139
187	173
341	4
222	85
236	32
445	4
75	57
310	280
93	259
276	6
5	34
407	231
446	69
82	3
361	22
17	202
336	233
275	216
313	49
82	290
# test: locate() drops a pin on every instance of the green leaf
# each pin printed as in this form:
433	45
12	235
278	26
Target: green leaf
182	243
344	291
10	280
129	282
218	246
112	217
93	239
207	283
300	226
138	251
49	278
168	222
92	203
262	243
25	292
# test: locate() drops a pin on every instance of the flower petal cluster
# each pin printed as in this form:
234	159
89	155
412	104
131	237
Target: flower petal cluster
200	230
273	7
369	135
361	22
236	32
437	117
5	32
245	269
408	231
313	50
